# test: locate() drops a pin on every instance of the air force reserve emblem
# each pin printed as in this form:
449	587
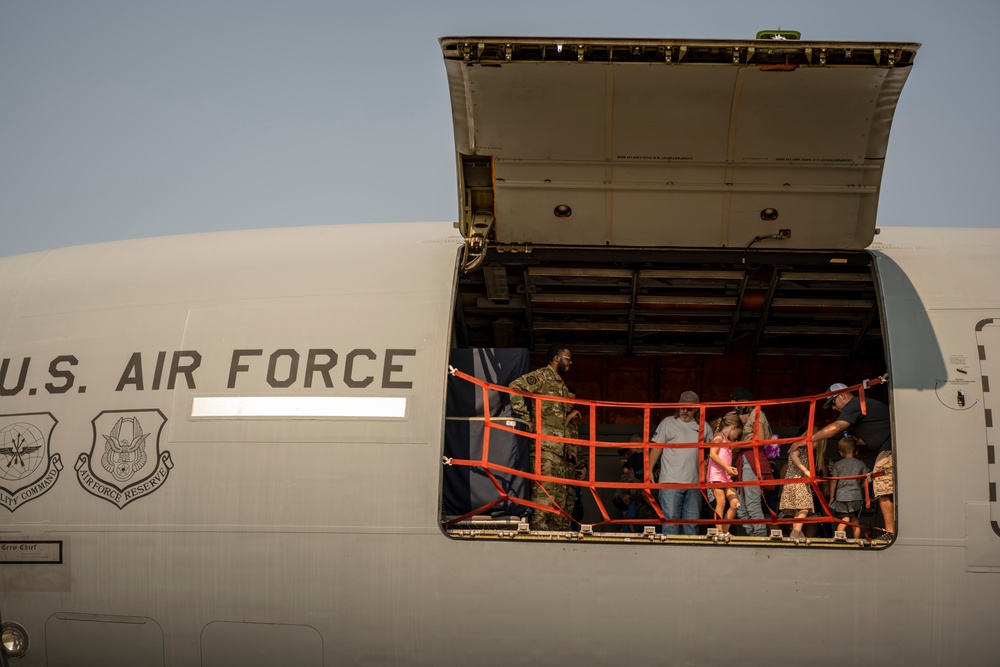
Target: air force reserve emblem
125	462
26	468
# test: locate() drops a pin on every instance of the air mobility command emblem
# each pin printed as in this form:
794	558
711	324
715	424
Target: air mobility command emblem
125	462
27	470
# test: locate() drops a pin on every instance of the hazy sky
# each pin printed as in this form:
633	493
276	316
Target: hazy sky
121	119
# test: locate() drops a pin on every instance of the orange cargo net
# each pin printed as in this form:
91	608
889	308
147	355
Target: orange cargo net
647	485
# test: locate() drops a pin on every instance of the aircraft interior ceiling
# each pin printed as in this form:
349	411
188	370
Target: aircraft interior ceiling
648	302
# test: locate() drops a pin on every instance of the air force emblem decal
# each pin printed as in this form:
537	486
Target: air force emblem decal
26	468
125	462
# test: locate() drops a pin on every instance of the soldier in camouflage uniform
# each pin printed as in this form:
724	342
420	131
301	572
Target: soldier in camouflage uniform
558	459
581	469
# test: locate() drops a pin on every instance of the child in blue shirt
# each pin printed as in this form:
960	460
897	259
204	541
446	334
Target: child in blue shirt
846	493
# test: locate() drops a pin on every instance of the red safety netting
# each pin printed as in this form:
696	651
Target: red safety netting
647	486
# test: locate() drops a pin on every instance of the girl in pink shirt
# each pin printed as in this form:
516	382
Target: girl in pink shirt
721	469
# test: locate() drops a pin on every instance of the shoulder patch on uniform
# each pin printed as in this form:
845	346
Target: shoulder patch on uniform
531	379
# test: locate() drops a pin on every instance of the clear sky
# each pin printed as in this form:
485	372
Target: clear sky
131	118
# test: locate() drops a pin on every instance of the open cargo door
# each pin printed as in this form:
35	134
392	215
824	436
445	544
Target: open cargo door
681	214
679	143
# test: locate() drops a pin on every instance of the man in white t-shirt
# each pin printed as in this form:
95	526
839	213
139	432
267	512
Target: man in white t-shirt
679	465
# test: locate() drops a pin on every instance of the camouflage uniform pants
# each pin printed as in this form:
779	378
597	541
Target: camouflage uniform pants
883	485
554	464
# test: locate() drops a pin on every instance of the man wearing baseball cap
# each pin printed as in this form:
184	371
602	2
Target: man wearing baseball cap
679	465
873	428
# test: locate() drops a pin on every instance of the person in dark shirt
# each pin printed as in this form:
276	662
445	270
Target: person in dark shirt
634	503
873	428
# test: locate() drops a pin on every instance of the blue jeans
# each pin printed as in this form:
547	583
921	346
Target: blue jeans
750	503
680	504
